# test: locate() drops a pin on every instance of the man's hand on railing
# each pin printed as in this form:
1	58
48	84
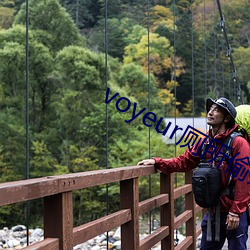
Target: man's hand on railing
146	162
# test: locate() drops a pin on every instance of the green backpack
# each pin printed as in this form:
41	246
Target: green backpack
243	120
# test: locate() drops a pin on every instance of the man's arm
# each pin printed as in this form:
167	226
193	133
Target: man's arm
242	187
185	162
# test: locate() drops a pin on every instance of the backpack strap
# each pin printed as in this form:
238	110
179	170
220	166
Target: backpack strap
226	150
228	142
203	149
228	191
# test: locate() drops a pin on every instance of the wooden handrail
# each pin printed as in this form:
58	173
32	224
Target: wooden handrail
58	208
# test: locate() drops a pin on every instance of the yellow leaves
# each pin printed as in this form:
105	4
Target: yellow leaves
6	17
160	55
166	96
161	12
179	69
237	4
168	99
172	84
161	16
203	114
188	109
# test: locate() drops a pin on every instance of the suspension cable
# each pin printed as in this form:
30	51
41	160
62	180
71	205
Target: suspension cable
107	120
205	51
215	54
222	68
229	52
27	207
192	24
175	95
149	134
174	75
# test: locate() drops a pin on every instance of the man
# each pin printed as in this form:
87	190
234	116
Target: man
221	115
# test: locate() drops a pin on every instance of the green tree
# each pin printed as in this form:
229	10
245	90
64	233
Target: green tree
13	60
84	13
134	80
53	25
242	64
42	163
117	31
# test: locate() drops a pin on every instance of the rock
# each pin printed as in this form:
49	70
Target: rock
38	232
18	228
117	234
95	248
81	246
16	238
18	234
100	238
111	233
23	240
103	243
3	233
91	242
13	243
111	239
117	244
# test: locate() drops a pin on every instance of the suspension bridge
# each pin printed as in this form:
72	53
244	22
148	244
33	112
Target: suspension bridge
56	192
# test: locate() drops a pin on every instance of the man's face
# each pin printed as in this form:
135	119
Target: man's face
215	116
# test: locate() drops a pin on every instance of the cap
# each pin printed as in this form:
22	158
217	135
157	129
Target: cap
223	103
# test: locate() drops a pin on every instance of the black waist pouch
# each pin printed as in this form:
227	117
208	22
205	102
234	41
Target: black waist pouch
206	183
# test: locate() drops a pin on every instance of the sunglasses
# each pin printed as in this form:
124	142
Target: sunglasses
221	102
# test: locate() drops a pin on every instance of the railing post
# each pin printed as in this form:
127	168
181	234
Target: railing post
167	210
58	219
129	198
190	205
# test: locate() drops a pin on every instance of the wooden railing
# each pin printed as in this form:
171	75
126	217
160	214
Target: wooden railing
56	192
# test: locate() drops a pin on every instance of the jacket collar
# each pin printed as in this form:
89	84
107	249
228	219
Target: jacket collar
223	135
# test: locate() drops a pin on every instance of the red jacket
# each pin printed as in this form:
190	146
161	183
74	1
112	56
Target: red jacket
187	162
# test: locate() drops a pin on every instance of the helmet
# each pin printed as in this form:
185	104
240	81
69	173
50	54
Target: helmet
223	103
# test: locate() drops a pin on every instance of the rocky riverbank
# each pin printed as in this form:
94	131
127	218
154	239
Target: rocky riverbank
16	238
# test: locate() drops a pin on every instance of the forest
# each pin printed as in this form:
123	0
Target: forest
166	56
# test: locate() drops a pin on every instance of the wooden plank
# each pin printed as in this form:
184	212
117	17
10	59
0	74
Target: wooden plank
58	219
46	244
154	238
182	218
24	190
190	205
129	195
198	231
152	203
182	190
185	244
98	177
167	210
90	230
